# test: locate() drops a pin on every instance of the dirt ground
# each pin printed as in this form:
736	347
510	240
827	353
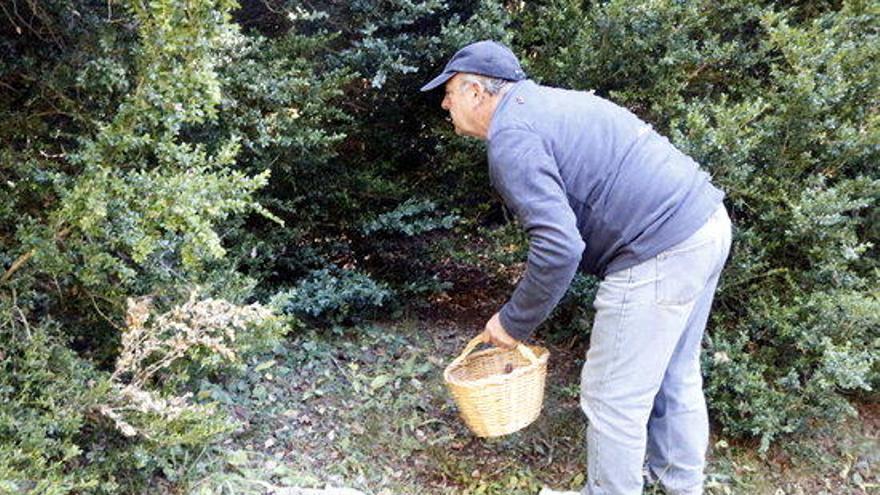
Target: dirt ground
366	408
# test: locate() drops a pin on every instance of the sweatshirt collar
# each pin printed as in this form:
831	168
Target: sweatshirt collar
502	105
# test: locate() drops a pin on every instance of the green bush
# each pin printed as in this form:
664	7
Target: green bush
333	296
46	396
117	190
410	219
67	427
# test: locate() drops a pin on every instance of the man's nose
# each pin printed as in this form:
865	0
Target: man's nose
444	104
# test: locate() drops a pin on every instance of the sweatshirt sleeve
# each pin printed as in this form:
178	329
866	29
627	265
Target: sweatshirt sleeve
525	174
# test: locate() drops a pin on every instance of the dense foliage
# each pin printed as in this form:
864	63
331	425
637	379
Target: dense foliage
776	104
169	166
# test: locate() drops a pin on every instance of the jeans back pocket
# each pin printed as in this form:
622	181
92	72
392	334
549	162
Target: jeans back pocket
682	272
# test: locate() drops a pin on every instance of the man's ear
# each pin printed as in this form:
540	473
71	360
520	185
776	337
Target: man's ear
477	88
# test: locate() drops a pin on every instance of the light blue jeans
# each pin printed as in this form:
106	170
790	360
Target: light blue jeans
641	387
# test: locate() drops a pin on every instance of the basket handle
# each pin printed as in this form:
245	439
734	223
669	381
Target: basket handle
469	348
525	351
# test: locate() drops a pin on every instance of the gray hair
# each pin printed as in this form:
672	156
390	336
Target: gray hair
492	85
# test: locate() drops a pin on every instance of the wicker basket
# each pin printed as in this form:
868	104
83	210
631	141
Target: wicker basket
498	391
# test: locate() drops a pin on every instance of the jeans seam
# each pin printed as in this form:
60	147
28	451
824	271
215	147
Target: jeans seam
615	352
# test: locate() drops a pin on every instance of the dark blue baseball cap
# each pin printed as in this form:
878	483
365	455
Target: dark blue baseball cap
487	58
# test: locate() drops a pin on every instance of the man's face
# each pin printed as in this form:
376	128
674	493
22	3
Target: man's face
461	101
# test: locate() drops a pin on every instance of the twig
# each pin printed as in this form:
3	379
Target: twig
16	265
27	327
695	73
101	313
21	260
341	371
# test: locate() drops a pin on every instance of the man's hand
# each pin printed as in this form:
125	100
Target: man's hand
496	334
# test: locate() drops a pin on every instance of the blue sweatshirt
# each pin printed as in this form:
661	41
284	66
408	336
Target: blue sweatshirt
595	188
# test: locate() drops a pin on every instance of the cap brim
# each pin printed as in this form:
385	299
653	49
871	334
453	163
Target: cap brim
438	81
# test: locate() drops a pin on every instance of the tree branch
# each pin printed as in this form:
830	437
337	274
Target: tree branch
28	255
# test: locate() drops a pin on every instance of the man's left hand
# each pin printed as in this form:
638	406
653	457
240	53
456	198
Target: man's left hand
496	334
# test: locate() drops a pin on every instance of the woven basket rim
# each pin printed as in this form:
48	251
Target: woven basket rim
496	379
